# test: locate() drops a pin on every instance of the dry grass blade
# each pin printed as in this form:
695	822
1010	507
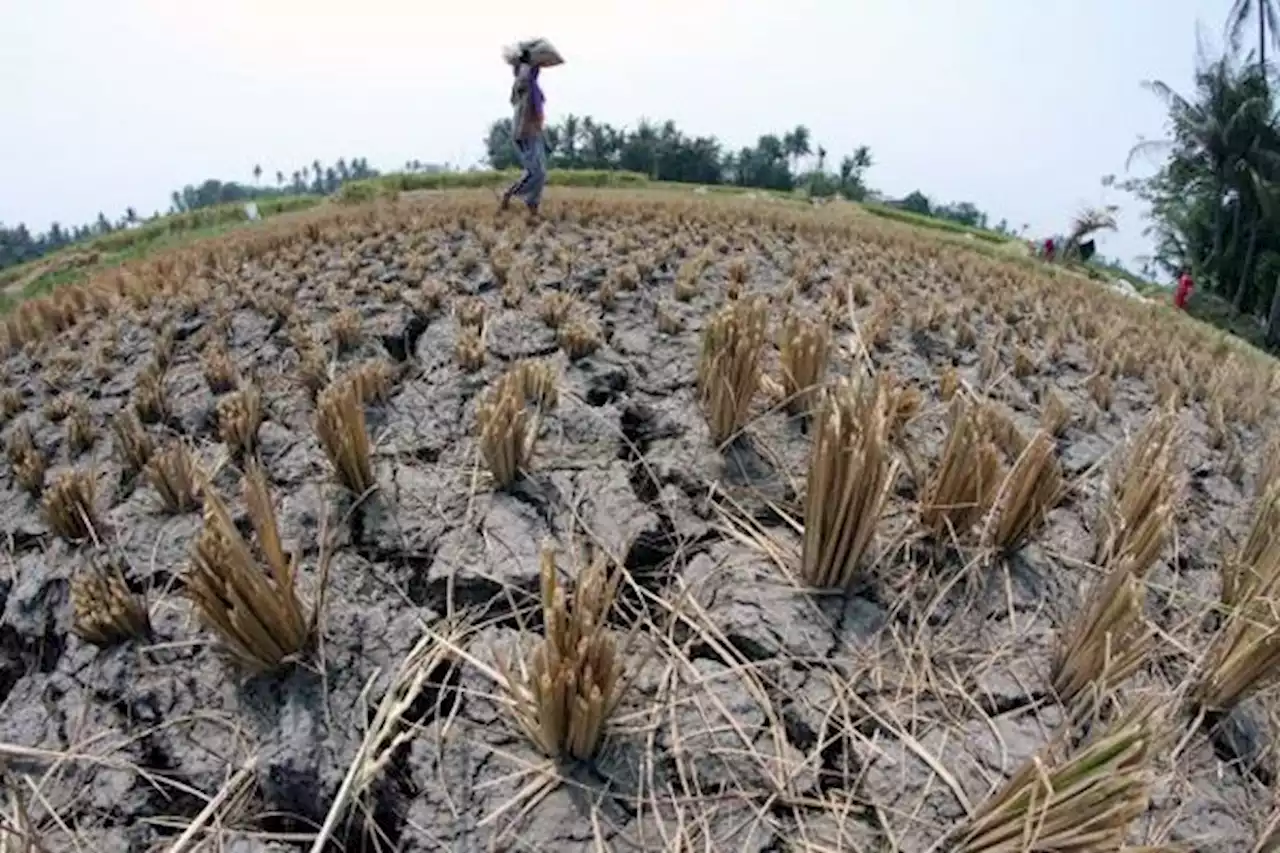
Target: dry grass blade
1032	487
668	320
578	337
948	383
239	417
313	370
569	686
218	369
468	348
133	444
1268	472
554	308
391	730
1108	644
1138	512
803	347
80	431
17	833
26	460
999	424
1081	801
68	507
1099	386
513	294
104	611
962	488
1054	414
729	365
60	407
1245	655
470	312
162	347
538	382
507	429
344	329
173	474
1242	571
149	398
340	426
373	380
255	613
10	404
851	469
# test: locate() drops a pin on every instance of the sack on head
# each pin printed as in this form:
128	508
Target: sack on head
542	54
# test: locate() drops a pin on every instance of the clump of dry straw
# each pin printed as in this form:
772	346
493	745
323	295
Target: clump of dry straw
256	613
962	487
1032	487
68	506
803	346
173	474
1136	516
1080	800
729	365
507	427
851	469
104	611
566	691
340	426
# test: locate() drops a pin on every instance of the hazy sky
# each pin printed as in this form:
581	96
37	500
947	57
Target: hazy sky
1017	106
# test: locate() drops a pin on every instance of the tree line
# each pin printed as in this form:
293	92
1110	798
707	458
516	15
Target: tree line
19	244
665	153
660	150
1214	200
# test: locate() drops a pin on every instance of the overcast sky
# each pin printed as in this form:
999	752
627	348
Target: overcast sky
1018	106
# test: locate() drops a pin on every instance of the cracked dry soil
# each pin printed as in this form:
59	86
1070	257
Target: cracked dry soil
767	718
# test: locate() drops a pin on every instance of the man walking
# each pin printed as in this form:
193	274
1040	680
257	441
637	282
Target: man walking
526	127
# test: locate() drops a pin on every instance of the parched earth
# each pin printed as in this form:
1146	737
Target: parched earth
759	716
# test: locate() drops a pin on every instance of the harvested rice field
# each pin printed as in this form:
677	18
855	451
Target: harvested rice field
663	524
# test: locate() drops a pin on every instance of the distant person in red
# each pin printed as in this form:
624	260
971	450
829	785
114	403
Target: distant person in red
1048	248
1183	291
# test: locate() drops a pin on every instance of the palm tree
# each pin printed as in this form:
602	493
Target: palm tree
569	133
257	173
1087	222
1218	126
796	145
1268	14
822	158
279	178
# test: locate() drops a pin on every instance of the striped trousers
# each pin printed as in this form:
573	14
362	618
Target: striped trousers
532	155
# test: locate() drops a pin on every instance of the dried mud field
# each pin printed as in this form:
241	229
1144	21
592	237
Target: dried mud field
839	536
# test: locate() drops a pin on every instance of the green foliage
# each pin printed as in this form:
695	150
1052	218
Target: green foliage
900	214
117	247
483	178
18	245
663	152
1214	202
359	192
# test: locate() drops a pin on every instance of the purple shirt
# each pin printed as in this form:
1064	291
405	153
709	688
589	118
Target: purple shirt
527	99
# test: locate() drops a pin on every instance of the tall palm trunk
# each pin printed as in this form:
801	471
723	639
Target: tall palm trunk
1219	227
1242	286
1273	319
